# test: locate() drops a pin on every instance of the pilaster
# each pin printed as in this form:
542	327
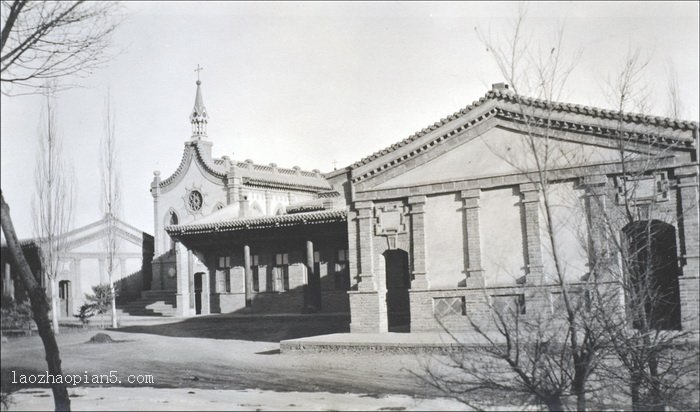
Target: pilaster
365	220
599	256
155	192
690	238
419	252
470	204
531	202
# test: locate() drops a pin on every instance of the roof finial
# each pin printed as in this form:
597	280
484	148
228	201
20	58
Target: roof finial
198	69
199	116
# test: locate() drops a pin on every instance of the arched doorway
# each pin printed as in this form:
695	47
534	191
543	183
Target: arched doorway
652	265
398	282
173	221
198	282
64	297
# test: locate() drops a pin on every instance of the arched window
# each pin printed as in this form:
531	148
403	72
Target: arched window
173	221
651	264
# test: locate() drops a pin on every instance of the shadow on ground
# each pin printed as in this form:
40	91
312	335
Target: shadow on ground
268	328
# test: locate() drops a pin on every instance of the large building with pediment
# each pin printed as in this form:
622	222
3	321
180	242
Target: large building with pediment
442	225
83	263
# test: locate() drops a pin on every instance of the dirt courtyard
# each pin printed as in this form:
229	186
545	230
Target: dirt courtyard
221	361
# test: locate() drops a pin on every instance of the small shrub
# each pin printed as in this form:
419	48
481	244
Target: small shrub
15	315
86	312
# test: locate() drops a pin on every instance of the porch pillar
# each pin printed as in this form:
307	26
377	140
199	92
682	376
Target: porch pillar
182	282
248	276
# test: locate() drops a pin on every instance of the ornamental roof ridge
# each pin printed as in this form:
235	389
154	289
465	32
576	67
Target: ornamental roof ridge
270	168
315	217
505	95
208	163
186	154
192	148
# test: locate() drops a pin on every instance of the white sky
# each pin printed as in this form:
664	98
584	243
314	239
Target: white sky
308	83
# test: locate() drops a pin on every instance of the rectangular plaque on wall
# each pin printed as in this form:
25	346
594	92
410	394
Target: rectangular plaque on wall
642	189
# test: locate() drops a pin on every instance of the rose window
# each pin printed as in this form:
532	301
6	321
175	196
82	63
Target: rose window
194	201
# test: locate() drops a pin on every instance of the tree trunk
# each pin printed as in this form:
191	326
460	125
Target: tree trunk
554	403
635	385
579	387
40	307
54	305
114	302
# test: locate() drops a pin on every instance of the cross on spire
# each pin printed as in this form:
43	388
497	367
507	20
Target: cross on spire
198	69
335	164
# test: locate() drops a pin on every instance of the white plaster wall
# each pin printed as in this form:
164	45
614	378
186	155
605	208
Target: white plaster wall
89	274
174	198
503	258
444	229
569	231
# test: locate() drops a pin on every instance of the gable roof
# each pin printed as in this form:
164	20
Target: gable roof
93	231
504	104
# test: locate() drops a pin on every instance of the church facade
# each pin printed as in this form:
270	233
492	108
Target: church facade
236	235
439	227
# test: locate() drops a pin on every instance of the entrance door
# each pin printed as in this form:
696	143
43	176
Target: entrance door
398	282
198	293
64	299
652	264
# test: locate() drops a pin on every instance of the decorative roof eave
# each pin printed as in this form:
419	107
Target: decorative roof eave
311	218
251	181
500	95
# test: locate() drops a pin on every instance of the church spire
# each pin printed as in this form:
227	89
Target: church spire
199	116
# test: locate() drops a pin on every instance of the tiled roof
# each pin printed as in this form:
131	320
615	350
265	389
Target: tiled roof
504	95
309	218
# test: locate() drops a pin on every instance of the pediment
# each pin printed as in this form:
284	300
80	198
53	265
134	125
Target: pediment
587	136
96	244
494	152
91	238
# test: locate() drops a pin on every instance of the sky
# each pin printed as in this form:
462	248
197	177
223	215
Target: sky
315	84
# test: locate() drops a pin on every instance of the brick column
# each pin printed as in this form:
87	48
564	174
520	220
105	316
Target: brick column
419	253
690	254
248	273
599	256
368	302
475	273
365	223
531	202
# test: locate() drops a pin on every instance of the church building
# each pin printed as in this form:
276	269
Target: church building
442	225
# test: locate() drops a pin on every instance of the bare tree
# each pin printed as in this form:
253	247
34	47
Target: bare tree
44	40
550	356
111	199
656	364
52	204
40	41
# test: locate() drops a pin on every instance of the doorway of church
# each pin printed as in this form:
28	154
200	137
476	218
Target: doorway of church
64	298
398	282
198	280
